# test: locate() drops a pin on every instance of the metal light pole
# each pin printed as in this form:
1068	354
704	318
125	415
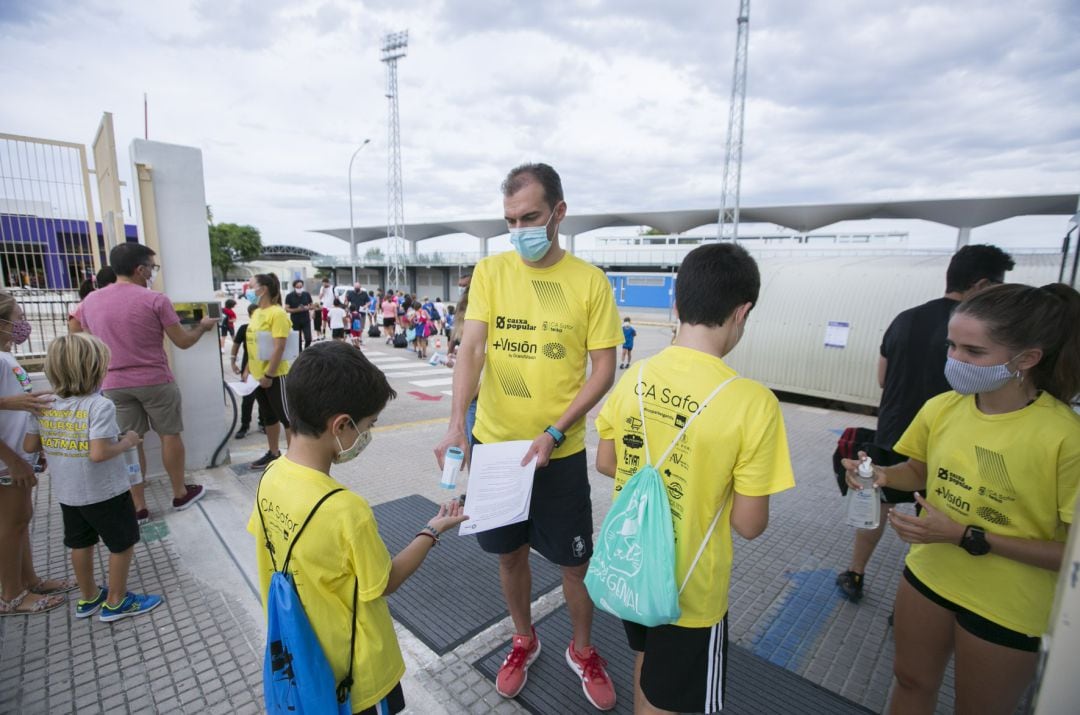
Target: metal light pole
352	237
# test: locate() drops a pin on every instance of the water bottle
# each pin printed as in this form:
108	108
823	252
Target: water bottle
131	465
455	457
863	505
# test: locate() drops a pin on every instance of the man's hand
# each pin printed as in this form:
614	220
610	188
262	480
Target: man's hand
22	474
265	382
34	402
932	527
541	450
208	324
130	439
452	438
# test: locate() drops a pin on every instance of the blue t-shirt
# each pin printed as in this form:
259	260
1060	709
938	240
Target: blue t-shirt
628	334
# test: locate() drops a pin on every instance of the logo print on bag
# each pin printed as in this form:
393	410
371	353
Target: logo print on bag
579	547
555	351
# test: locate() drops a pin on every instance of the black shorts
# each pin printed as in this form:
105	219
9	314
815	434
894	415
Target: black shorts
685	669
560	520
394	702
273	406
337	333
975	624
112	520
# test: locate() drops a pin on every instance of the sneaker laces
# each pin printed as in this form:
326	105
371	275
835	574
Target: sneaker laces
592	667
518	655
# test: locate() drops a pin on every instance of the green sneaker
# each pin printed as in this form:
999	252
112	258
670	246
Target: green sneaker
85	609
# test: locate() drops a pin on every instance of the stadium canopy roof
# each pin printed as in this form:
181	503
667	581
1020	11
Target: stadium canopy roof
958	213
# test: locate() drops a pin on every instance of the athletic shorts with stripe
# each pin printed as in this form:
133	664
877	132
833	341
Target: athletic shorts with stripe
684	669
273	403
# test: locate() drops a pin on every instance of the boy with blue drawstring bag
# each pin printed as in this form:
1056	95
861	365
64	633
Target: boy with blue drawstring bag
663	559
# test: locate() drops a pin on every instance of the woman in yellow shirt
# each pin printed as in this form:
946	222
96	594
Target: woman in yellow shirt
999	460
270	370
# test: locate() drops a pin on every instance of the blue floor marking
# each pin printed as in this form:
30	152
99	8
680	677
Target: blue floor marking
838	432
804	611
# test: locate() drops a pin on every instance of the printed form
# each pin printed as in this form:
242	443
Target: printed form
500	489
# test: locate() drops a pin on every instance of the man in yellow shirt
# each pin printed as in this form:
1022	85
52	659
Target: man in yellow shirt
536	317
728	462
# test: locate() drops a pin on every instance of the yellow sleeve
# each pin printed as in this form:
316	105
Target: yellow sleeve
763	466
366	554
281	324
605	328
1068	479
479	307
915	440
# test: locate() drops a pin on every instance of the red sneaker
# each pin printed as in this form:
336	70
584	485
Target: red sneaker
515	669
194	493
594	679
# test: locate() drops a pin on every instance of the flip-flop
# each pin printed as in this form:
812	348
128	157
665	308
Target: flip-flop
42	605
65	585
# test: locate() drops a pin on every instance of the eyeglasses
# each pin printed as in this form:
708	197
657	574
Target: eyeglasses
152	266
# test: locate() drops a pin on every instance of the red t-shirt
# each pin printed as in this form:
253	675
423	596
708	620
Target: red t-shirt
230	314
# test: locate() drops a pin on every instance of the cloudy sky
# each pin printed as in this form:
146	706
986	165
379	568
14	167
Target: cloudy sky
847	100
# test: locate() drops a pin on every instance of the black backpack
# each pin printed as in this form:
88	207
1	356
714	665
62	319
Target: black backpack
400	341
373	329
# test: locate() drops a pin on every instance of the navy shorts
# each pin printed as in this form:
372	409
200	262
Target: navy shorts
560	522
112	520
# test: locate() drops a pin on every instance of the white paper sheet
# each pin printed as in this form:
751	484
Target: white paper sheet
245	388
836	334
500	489
264	343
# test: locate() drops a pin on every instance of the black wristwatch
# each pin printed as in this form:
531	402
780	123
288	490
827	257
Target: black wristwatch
974	541
556	435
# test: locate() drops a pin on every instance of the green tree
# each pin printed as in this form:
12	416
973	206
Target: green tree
232	243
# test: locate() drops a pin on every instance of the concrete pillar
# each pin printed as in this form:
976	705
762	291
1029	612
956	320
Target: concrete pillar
483	246
963	236
570	243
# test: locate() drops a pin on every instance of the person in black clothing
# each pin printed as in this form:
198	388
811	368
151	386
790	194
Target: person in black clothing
298	306
247	403
356	301
911	370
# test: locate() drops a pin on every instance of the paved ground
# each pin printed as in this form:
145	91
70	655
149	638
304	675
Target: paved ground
202	651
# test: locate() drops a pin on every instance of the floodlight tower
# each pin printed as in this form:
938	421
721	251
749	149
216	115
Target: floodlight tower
393	49
728	225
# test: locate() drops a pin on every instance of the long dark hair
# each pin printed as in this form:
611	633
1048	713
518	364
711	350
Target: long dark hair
1023	317
272	284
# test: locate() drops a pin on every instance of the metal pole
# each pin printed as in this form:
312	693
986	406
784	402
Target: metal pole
352	227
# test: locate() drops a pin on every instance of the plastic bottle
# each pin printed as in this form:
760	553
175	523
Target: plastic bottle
451	466
131	464
863	505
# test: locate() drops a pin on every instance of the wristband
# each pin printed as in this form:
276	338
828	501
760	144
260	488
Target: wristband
556	435
430	532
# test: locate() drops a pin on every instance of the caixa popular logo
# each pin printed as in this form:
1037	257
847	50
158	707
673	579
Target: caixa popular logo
504	323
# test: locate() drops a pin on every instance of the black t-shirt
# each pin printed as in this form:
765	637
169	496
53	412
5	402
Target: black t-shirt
241	340
357	299
914	348
295	300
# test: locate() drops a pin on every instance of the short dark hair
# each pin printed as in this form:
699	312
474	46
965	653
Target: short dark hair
332	378
128	256
252	307
972	264
106	276
230	303
300	281
713	281
543	174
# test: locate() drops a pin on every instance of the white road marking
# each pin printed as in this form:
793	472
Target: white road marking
433	383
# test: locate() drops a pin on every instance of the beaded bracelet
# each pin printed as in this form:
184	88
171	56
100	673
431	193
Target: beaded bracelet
430	532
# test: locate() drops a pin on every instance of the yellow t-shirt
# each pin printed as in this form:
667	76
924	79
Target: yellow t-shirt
273	320
737	442
340	546
1015	474
542	323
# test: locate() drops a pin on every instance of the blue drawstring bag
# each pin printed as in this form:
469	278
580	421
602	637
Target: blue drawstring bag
297	677
632	571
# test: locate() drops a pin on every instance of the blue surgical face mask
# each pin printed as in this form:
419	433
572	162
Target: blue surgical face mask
968	379
250	295
532	243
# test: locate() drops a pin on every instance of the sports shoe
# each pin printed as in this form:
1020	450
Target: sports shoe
195	492
142	516
85	609
134	604
515	669
241	433
595	682
851	584
264	461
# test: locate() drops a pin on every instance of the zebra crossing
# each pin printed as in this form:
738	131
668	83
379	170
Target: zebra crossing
397	364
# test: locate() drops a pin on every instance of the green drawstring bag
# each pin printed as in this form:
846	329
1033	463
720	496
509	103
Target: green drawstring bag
632	571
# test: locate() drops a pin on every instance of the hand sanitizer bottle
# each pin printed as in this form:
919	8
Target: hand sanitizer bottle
863	505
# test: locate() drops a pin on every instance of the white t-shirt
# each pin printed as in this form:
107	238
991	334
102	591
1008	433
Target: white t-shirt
326	297
337	318
13	381
66	429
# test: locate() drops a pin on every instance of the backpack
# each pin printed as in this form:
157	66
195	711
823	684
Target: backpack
297	677
373	330
632	571
847	447
400	341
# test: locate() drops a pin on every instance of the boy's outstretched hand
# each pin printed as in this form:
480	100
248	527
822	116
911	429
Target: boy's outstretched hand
450	515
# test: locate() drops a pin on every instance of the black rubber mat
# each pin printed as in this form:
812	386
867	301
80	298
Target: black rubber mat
455	594
755	686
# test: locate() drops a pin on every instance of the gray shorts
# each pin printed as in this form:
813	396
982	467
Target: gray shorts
153	407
